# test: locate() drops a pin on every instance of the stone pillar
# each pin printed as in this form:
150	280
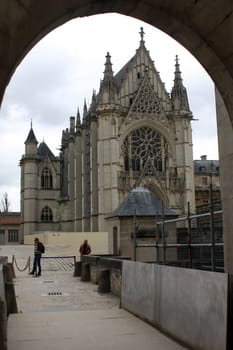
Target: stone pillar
10	290
85	276
225	142
104	285
3	325
78	269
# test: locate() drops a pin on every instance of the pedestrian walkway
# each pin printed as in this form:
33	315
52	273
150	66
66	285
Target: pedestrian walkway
58	311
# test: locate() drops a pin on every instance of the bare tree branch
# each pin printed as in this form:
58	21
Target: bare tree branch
5	203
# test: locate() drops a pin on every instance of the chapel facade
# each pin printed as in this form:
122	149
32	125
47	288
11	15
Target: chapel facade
133	134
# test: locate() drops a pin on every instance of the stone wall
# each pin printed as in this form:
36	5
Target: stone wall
100	263
7	298
101	242
189	305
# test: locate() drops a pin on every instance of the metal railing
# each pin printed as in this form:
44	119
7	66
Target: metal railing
192	241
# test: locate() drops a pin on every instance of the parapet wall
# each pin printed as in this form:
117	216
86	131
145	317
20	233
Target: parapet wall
7	298
112	263
190	305
101	242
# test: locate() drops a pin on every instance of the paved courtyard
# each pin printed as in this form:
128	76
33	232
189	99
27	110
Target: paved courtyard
58	311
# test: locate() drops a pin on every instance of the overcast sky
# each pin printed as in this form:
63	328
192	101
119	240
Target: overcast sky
63	69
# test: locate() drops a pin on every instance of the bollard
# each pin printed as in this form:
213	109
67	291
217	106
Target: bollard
85	276
78	269
104	285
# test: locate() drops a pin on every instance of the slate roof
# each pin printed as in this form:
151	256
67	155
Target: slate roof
122	72
205	166
44	151
144	202
31	137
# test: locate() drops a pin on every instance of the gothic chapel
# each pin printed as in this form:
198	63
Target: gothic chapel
134	134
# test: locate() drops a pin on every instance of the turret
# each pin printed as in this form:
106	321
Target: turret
93	101
31	143
78	119
107	86
179	94
84	111
72	125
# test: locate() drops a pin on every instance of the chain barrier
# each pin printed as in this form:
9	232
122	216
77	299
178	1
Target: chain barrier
17	266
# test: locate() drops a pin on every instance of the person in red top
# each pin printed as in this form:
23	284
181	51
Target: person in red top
85	248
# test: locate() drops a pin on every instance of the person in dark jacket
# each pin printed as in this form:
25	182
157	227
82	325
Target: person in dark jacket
85	248
36	270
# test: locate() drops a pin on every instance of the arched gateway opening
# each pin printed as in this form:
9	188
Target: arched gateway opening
194	25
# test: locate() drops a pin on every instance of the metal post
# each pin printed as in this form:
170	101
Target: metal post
163	237
156	238
212	236
134	237
189	238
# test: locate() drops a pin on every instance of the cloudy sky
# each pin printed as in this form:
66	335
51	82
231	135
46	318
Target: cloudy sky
63	69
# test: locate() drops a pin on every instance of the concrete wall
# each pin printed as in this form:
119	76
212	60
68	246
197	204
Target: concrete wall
226	165
190	305
101	242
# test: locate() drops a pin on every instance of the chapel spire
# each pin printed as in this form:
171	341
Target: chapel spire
31	138
108	73
84	109
31	143
179	94
93	101
107	85
142	42
78	119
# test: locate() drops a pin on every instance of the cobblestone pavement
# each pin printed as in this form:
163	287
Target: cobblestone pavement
57	311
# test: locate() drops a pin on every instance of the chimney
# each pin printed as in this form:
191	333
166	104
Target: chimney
204	157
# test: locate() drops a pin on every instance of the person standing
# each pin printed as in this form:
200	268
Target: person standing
85	248
38	250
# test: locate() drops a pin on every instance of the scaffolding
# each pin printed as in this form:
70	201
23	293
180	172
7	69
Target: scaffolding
192	241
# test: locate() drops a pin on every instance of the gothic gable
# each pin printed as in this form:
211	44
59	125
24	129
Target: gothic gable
146	100
146	105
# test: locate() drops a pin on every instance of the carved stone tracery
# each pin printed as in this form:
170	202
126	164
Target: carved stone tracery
144	143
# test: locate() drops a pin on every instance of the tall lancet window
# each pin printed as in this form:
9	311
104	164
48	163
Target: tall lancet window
46	214
145	144
46	179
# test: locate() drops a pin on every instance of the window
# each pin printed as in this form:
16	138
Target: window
2	231
46	214
142	144
46	179
204	181
13	235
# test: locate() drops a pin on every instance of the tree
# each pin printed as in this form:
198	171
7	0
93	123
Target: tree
5	203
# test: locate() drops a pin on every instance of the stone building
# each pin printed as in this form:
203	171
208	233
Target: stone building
134	133
207	183
10	228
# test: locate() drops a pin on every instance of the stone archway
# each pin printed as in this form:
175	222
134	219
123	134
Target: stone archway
204	28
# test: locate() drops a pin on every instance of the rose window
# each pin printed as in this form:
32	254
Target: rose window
142	144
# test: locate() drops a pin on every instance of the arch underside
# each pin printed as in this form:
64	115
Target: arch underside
203	27
23	25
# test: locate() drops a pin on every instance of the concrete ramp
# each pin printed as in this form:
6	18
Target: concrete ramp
59	312
84	330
